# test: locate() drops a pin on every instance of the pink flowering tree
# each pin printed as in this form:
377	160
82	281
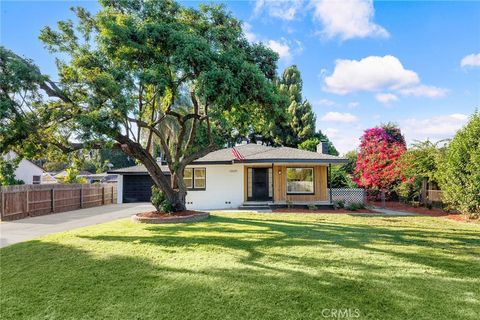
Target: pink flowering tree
378	164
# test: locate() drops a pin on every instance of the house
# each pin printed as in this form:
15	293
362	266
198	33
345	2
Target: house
29	172
244	175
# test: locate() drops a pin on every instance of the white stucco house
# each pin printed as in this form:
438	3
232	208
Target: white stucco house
29	172
249	174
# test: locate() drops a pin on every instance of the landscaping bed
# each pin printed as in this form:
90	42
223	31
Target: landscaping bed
176	217
306	210
433	212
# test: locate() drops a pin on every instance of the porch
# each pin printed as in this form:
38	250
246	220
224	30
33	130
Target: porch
280	185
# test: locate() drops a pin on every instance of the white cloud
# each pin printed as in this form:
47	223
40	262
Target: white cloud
282	9
375	74
386	97
344	138
424	91
325	103
339	117
435	128
347	19
331	132
247	31
472	60
282	48
369	74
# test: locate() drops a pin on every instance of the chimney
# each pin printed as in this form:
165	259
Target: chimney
322	147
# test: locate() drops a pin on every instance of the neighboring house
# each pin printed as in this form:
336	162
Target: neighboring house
29	172
244	175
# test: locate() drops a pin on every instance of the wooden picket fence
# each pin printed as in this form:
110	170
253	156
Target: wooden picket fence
18	202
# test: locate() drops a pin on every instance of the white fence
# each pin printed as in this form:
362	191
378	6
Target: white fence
353	195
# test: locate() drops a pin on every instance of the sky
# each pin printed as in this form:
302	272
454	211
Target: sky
363	63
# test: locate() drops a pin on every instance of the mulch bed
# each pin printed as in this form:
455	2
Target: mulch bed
340	211
176	217
434	212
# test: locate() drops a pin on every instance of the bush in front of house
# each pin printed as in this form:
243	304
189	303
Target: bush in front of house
459	170
354	206
159	201
339	204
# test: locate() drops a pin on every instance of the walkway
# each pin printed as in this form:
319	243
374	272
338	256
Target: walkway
390	212
30	228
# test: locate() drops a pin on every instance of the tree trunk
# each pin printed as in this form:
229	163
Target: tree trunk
178	201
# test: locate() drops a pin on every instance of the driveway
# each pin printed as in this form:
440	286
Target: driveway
30	228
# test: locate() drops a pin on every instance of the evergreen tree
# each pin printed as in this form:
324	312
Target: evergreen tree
300	121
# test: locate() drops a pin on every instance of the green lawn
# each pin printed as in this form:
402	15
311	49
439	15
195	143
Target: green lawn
249	266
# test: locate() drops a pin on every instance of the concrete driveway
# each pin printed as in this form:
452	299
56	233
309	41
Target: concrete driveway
30	228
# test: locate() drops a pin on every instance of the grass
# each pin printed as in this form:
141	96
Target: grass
248	266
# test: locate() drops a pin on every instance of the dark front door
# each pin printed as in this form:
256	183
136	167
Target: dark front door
260	184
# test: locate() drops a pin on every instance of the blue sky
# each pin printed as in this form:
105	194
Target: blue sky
415	63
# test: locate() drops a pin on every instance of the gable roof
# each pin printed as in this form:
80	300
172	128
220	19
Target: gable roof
251	153
256	153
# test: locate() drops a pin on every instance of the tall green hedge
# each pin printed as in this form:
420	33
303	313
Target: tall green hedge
459	170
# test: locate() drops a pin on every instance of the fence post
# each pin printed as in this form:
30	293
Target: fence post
81	196
28	201
112	193
52	192
103	194
2	206
424	191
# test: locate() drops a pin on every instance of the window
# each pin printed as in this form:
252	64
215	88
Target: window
188	178
199	178
195	178
300	181
36	180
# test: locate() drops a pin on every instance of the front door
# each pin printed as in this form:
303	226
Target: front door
260	184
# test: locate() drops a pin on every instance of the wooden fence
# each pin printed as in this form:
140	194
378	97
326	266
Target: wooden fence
22	201
434	195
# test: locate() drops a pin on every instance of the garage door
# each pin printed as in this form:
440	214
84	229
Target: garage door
137	188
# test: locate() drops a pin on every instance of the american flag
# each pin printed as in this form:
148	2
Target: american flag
237	154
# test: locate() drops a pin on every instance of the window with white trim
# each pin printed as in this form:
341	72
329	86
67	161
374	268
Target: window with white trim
300	181
195	178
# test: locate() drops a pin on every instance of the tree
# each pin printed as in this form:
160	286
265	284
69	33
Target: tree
71	176
299	126
349	167
340	178
377	166
459	169
418	163
311	144
7	172
137	74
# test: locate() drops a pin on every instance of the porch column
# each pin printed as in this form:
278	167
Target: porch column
329	181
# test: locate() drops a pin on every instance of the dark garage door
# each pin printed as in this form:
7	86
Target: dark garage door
137	188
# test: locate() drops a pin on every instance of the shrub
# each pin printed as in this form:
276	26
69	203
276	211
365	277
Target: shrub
159	201
459	170
339	204
354	206
312	207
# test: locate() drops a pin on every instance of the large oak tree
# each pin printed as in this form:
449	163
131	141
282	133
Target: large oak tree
134	75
